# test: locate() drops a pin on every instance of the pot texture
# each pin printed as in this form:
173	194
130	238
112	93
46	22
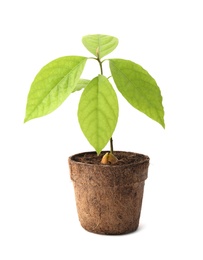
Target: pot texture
109	197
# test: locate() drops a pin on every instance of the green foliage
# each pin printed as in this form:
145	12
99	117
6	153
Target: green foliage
53	84
82	83
138	87
100	45
98	112
98	106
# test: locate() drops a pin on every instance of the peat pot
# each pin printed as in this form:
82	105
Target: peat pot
109	197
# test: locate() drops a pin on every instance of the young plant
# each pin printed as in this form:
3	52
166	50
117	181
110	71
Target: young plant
98	106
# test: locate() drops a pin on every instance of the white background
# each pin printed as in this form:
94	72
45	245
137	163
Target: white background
38	218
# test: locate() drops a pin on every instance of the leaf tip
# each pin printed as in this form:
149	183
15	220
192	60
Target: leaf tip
162	123
26	119
98	152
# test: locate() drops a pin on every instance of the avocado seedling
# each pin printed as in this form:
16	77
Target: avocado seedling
98	108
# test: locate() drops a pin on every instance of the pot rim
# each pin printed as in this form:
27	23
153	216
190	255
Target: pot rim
145	159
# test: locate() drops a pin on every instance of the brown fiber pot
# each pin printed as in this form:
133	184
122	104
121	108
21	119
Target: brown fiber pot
109	197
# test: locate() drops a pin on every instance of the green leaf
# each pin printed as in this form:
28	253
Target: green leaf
98	112
52	85
82	83
100	45
138	87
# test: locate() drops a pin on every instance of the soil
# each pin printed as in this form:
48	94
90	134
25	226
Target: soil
123	157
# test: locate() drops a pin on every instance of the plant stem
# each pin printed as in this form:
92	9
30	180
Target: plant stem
100	64
111	140
111	145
